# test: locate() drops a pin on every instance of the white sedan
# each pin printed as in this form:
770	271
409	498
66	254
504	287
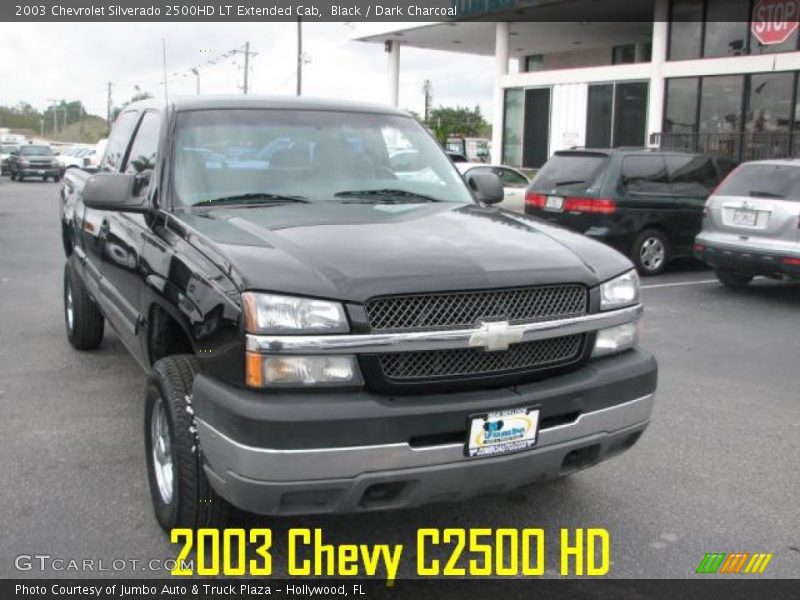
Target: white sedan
514	182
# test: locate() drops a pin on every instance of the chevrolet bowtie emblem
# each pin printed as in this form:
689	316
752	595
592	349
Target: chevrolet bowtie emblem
495	336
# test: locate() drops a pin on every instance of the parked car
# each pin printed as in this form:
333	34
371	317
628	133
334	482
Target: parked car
514	182
34	160
5	153
456	157
74	157
648	204
324	336
751	223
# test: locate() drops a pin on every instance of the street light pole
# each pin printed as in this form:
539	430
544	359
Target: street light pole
299	56
196	72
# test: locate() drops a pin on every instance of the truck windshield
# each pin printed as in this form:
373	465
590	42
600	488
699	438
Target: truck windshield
36	151
221	155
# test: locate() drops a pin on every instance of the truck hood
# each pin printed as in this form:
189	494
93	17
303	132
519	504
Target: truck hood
356	251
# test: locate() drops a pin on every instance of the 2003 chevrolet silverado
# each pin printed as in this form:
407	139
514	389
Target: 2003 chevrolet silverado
333	320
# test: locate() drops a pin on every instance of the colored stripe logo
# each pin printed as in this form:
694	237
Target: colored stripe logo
734	562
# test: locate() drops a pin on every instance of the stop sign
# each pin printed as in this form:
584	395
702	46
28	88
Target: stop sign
775	20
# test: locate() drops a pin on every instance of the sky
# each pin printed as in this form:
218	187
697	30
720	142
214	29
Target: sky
74	61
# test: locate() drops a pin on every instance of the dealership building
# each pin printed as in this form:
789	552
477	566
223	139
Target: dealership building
705	75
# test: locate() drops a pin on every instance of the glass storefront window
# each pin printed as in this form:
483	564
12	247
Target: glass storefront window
686	30
769	105
598	116
513	127
727	28
630	113
681	105
717	28
721	103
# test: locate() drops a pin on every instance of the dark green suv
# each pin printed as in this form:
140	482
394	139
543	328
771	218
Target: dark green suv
648	204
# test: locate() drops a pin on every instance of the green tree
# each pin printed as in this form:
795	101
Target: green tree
462	121
135	98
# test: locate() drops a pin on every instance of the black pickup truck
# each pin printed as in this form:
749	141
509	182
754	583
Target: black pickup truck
327	331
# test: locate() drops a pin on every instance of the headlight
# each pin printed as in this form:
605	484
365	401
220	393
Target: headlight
616	339
264	370
276	314
619	292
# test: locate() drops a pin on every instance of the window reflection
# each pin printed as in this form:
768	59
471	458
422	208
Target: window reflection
721	103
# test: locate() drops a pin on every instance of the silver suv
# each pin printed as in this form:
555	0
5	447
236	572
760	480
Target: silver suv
751	223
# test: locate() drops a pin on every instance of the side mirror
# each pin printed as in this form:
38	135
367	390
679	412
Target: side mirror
487	186
114	192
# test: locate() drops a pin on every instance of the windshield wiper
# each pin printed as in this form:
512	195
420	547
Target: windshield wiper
758	194
252	198
386	195
569	182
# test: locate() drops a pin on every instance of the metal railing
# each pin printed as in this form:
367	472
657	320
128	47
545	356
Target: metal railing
740	147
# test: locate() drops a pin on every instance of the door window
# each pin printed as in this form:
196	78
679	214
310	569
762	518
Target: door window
145	145
645	175
691	175
118	141
511	178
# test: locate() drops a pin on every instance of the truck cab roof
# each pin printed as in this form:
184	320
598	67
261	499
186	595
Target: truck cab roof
231	101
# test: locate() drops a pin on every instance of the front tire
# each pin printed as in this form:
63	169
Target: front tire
82	318
651	252
733	279
179	488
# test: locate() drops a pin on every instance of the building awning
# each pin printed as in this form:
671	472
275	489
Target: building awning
534	29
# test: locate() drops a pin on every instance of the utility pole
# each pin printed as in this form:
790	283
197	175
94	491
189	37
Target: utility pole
108	105
196	72
427	88
247	55
246	64
299	56
55	114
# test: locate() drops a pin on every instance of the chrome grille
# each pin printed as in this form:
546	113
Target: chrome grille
453	310
528	356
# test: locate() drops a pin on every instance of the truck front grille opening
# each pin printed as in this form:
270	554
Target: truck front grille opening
433	364
580	458
380	494
466	309
438	439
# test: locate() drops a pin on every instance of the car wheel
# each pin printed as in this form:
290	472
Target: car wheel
733	279
651	252
82	318
179	488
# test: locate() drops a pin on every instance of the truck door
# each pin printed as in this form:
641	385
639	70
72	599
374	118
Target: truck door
95	223
122	235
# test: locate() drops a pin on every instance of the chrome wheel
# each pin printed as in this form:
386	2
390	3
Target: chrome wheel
69	308
652	254
161	447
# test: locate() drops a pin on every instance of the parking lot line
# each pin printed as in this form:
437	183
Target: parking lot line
679	283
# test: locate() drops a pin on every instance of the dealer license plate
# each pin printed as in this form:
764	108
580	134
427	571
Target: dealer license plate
502	432
746	218
555	203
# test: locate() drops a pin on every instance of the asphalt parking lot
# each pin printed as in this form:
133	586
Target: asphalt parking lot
717	471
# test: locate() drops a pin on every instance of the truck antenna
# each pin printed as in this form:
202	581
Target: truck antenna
164	62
